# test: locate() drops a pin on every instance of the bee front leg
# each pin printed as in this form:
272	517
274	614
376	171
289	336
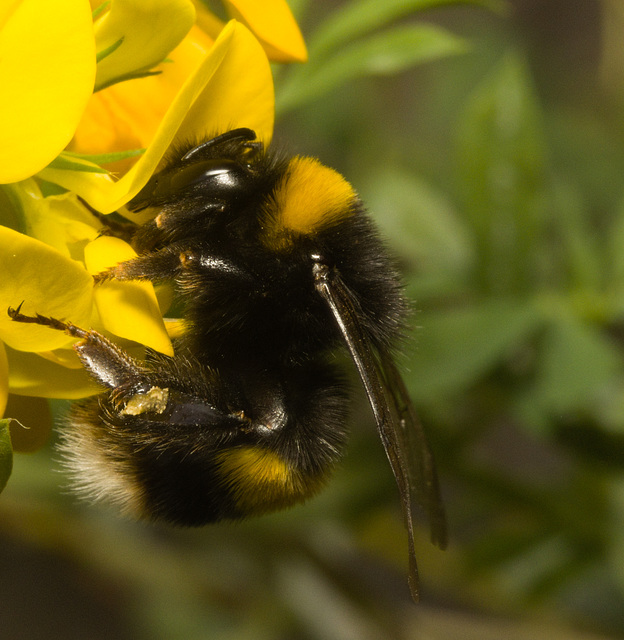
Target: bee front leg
171	262
154	266
124	229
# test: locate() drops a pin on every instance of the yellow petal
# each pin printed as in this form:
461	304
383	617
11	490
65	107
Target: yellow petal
233	87
176	327
30	375
60	221
4	379
48	283
272	22
240	92
150	29
66	357
47	67
127	309
68	226
207	21
127	114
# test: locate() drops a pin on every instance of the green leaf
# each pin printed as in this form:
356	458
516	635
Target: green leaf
502	547
96	12
6	453
502	177
105	158
385	53
577	361
420	222
616	540
580	249
358	18
108	50
456	347
129	76
65	162
615	250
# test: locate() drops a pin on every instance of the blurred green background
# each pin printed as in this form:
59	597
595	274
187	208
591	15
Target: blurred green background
488	142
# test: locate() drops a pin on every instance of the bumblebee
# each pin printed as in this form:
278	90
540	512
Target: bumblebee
276	265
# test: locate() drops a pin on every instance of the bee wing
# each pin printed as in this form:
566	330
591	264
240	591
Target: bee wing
397	423
413	440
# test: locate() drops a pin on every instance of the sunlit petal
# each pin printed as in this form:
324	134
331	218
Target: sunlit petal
47	67
272	22
48	283
65	356
30	375
207	21
60	221
240	92
148	31
127	115
223	93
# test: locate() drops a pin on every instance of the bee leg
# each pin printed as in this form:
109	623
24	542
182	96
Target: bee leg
154	266
111	227
17	316
171	226
171	262
103	360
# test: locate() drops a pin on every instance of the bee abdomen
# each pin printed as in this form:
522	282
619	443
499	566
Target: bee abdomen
192	455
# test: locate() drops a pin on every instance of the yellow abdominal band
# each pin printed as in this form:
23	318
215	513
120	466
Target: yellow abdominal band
262	481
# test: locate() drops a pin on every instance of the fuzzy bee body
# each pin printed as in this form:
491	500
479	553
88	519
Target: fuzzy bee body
176	441
276	264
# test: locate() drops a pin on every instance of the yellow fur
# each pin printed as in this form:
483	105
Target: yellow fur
309	198
262	481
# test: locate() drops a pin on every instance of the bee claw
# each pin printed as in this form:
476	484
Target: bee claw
103	276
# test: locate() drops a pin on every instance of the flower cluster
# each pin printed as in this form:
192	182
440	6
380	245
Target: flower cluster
93	96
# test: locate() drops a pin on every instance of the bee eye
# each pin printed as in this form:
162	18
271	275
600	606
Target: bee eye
215	174
221	178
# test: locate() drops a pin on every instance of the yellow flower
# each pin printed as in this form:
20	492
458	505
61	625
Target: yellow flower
126	115
50	270
48	66
232	86
47	70
270	21
213	79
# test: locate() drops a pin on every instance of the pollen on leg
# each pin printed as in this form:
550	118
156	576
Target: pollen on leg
154	400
